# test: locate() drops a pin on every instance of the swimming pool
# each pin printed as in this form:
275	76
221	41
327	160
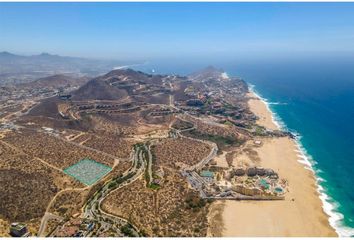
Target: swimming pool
264	183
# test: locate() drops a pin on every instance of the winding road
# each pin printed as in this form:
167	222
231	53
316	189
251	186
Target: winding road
93	210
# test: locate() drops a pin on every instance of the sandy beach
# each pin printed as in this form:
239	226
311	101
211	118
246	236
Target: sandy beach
260	109
299	215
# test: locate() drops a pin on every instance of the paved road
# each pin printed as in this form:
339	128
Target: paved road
149	164
204	161
93	208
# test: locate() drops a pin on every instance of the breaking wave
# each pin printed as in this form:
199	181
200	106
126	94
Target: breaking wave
329	205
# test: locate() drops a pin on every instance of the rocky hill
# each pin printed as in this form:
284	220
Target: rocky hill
123	83
98	89
209	72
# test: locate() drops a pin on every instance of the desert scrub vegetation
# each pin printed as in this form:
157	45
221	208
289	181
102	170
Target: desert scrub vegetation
222	141
172	152
24	196
182	125
62	154
162	212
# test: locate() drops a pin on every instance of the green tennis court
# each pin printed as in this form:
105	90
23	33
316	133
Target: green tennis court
87	171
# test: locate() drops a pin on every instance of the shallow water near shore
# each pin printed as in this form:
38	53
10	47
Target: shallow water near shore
315	99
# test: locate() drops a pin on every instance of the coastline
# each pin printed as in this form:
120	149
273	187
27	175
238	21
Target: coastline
301	214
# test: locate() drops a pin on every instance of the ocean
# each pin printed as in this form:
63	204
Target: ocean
314	98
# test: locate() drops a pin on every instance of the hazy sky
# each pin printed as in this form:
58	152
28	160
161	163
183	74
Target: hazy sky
157	30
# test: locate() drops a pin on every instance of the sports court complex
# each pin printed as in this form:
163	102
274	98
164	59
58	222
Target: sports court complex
87	171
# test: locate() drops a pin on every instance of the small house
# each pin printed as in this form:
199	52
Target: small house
207	175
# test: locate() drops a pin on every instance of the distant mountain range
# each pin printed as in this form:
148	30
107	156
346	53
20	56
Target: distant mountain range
20	69
10	56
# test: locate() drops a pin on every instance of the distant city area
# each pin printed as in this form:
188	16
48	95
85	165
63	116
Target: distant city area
17	69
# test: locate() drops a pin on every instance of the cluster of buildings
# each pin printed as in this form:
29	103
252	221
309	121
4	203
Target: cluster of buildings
237	183
16	95
163	111
103	108
209	101
50	131
8	126
75	228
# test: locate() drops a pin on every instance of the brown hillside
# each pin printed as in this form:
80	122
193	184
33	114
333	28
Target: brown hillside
97	89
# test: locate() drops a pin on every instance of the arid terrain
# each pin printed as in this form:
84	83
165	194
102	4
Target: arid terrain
155	151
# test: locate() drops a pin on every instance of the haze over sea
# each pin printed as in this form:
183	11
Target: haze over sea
314	97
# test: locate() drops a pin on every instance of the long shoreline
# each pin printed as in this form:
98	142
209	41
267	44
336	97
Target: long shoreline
334	217
303	213
303	159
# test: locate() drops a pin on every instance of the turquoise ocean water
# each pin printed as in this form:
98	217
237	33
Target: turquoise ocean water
315	99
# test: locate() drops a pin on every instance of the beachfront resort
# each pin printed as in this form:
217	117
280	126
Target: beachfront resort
252	183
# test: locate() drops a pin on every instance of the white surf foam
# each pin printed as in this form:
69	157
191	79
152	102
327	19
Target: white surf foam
275	119
329	205
129	66
224	75
277	103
